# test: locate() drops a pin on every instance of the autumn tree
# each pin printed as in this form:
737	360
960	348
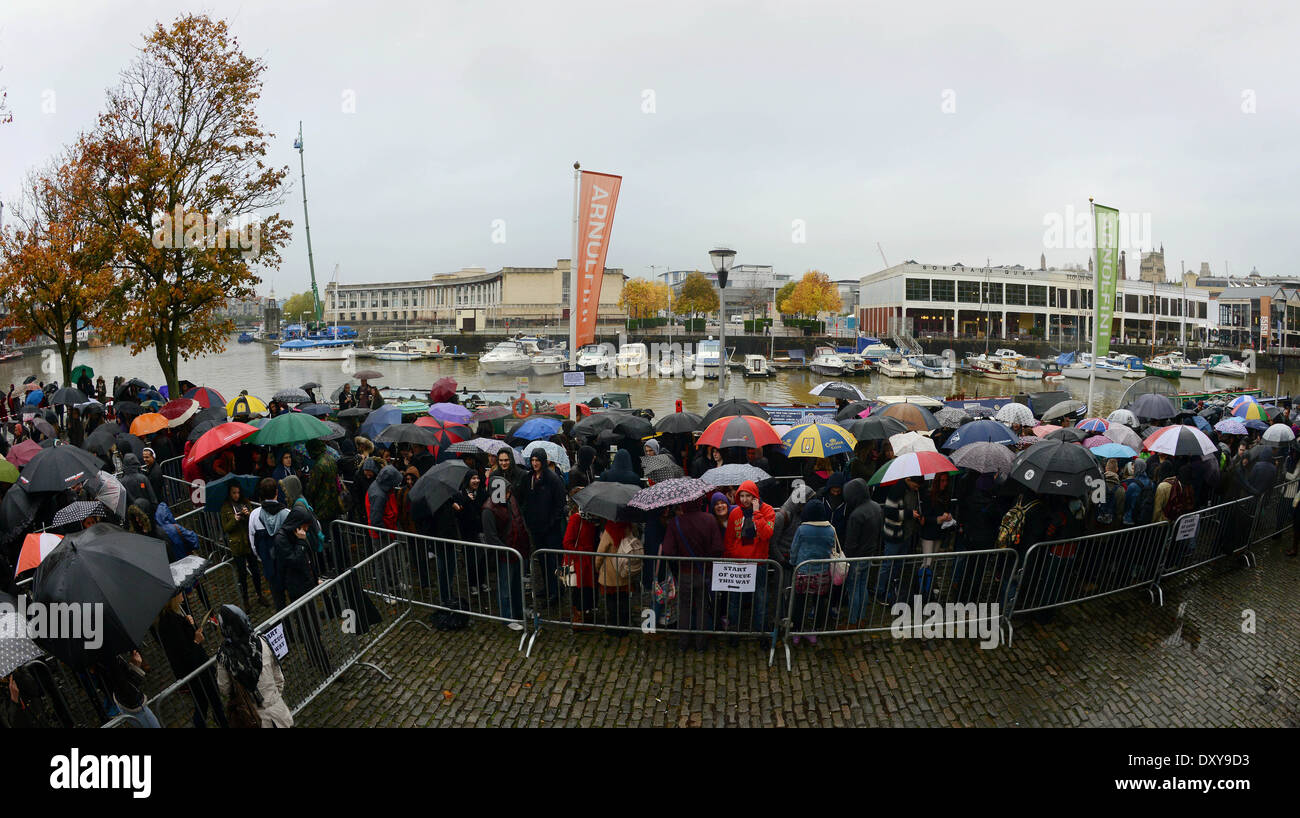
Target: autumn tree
814	293
297	304
783	294
698	296
55	264
642	298
182	184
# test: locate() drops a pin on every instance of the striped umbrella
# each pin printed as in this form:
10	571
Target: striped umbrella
746	431
1249	411
1230	426
916	464
178	411
1239	400
206	397
818	440
1093	425
446	433
1179	440
35	547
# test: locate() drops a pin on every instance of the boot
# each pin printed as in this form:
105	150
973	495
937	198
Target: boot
1295	541
579	619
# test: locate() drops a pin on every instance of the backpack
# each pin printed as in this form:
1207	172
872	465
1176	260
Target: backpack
1106	508
629	545
1139	500
264	539
1180	499
1013	524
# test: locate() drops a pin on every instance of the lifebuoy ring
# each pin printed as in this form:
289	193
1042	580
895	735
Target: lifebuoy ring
522	407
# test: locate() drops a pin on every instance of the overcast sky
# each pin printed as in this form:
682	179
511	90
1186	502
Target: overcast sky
944	135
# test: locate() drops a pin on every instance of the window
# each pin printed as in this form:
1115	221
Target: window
1016	294
1051	297
1074	300
993	293
968	292
1037	295
918	289
1131	303
1201	309
942	291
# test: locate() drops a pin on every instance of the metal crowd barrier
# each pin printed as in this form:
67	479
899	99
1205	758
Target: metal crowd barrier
1275	511
1069	570
1200	537
175	488
967	590
714	596
475	579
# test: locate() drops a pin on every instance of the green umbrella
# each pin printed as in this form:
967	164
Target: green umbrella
413	407
81	369
291	427
8	472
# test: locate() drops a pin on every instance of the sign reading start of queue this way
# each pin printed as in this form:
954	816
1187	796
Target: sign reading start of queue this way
735	576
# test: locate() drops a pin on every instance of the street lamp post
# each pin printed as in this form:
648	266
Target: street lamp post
722	259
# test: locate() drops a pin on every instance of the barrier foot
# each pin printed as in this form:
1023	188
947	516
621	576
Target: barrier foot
522	636
1011	630
1250	559
375	668
1157	595
789	666
537	629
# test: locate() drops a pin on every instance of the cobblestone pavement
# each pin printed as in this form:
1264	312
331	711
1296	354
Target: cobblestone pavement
1120	661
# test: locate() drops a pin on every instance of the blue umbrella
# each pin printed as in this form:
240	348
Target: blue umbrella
1202	424
1116	450
980	431
536	428
216	492
1257	425
380	419
450	412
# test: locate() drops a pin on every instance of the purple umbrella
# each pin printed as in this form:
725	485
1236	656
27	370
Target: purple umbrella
450	412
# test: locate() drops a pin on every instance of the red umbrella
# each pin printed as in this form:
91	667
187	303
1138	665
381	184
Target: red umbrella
35	547
178	411
740	430
215	439
207	397
443	390
448	433
21	453
563	409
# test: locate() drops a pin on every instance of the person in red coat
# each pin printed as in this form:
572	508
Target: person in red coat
582	535
747	536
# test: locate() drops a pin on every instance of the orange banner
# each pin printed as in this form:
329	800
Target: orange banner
597	198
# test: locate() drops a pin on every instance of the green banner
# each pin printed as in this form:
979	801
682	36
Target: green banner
1106	227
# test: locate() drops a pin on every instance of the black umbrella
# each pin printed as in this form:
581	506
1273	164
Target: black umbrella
201	429
1152	406
408	433
1068	435
43	426
309	385
837	389
355	412
595	423
607	501
129	443
127	409
336	431
679	423
291	396
852	410
139	384
1057	467
18	511
660	467
734	406
633	427
67	396
492	413
876	427
29	379
92	408
101	441
316	410
58	468
439	484
126	576
368	375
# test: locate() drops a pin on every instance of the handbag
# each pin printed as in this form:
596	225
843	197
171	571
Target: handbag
568	575
839	569
240	710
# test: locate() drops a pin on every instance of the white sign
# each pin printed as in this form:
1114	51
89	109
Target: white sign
578	378
521	384
1187	527
275	636
735	576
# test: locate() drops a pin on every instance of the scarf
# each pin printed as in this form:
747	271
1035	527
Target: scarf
241	651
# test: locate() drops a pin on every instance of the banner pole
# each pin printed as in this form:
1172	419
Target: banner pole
1092	371
573	292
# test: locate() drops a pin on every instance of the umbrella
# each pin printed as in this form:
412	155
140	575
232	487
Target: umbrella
1093	425
1015	413
1152	406
489	444
661	467
451	412
594	424
1230	426
1257	425
1057	467
748	431
818	439
127	409
77	511
1124	436
980	431
1279	434
368	375
290	427
336	431
245	405
57	469
608	501
1179	440
1249	411
1271	412
733	474
1068	435
202	427
984	457
217	438
127	574
668	493
978	411
187	571
22	453
355	412
1097	440
837	389
950	417
554	452
43	426
877	428
1063	409
914	417
216	492
8	472
206	397
1123	416
1202	424
77	372
408	433
293	395
316	410
909	442
441	391
67	396
439	484
488	413
677	423
562	409
30	379
854	410
467	447
444	433
916	464
536	429
1045	429
412	407
35	547
1029	440
16	648
308	385
380	419
1240	400
733	407
178	411
1113	450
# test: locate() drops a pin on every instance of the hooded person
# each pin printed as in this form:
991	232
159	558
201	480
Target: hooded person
136	483
504	465
861	539
583	473
381	501
833	496
262	527
246	658
786	522
651	447
502	523
812	583
180	540
621	471
361	480
748	536
292	551
543	500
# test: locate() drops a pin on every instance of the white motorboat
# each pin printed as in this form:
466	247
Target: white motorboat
673	364
394	351
874	352
855	365
756	366
428	347
550	362
894	366
1082	370
633	361
597	359
708	358
506	358
306	349
994	368
1007	354
932	366
1224	366
1029	369
826	361
1176	362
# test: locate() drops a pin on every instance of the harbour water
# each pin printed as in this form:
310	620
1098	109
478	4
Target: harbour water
253	367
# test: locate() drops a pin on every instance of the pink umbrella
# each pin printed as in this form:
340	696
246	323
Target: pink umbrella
1095	441
20	454
1045	429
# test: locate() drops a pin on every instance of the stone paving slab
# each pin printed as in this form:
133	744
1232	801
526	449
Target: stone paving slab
1119	661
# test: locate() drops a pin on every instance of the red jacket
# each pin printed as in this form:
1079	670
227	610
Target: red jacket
764	519
582	535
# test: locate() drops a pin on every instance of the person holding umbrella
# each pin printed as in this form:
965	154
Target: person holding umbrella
292	549
123	674
503	524
245	659
182	641
692	533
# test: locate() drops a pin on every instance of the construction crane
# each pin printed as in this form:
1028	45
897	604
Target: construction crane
882	254
311	264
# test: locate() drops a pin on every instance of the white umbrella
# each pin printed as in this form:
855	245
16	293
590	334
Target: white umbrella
1278	433
1015	413
554	452
1123	435
837	389
910	442
1123	416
